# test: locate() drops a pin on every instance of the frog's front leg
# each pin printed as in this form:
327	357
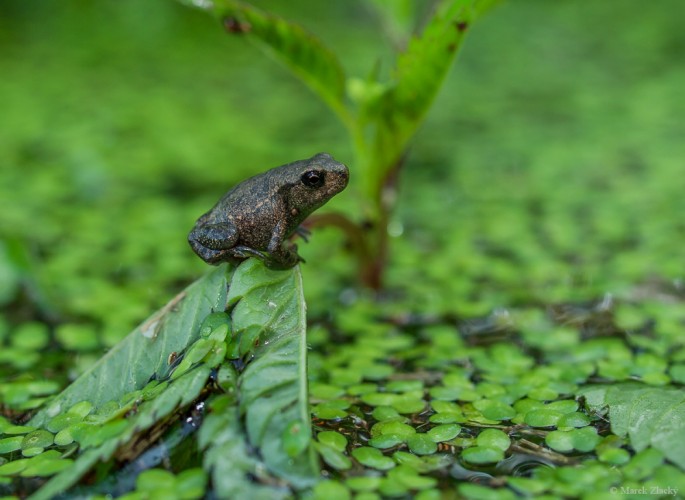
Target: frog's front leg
280	255
213	242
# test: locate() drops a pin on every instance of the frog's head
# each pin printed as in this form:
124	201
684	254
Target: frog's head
314	181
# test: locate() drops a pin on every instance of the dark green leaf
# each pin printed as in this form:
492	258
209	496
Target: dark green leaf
289	44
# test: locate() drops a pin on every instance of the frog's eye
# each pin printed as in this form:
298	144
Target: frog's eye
313	178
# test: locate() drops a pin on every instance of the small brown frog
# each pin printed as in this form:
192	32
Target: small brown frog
256	217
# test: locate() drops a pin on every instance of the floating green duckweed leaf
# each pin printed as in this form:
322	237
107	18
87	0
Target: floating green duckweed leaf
584	439
477	492
528	486
31	335
447	412
363	483
574	419
182	368
422	444
453	394
14	467
32	451
345	377
386	441
655	379
392	427
614	456
333	457
543	394
10	444
404	385
381	413
359	389
564	406
560	440
325	391
494	410
45	468
415	462
154	479
441	433
18	429
379	398
197	351
371	457
429	494
327	490
77	337
213	322
333	439
542	418
447	418
96	435
408	404
64	437
392	487
81	409
410	478
482	455
526	405
327	411
494	438
62	421
216	355
677	373
37	439
375	371
191	483
445	407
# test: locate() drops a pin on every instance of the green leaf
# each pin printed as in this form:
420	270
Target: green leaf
145	351
371	457
333	457
648	415
482	455
226	456
333	439
291	45
419	74
273	386
178	394
421	444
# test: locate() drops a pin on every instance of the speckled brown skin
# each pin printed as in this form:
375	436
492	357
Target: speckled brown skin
256	217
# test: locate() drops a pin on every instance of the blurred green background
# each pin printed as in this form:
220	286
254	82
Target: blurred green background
550	168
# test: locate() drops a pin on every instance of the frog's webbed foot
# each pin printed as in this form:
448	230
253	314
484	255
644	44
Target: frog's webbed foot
244	252
303	233
283	258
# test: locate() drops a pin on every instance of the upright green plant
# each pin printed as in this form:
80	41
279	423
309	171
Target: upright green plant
381	117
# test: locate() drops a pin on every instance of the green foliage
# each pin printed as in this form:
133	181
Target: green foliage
145	352
162	367
648	416
533	257
381	117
